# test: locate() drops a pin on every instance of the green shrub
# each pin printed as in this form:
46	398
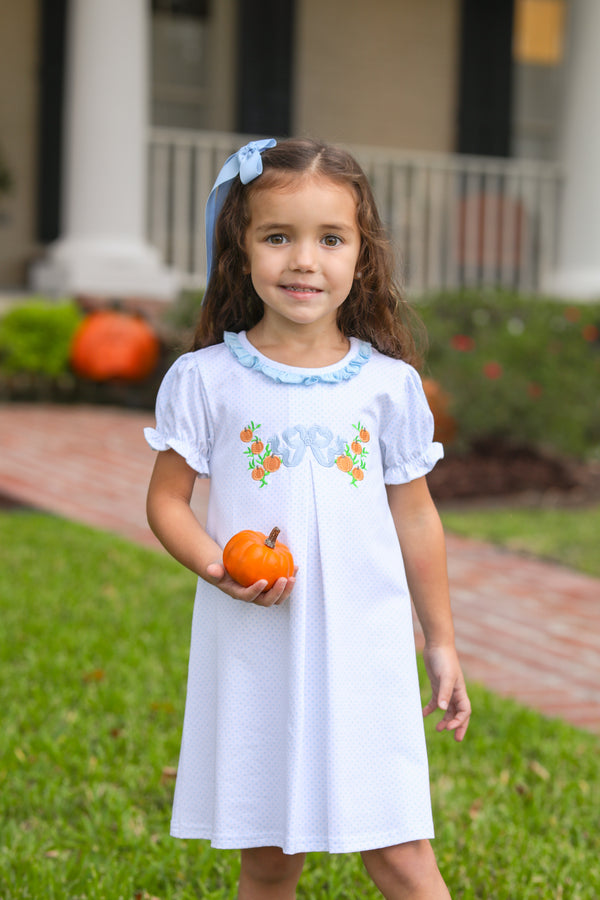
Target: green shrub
518	369
183	313
35	337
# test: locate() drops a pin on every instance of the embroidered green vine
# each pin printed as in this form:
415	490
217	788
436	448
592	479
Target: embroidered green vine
353	460
261	462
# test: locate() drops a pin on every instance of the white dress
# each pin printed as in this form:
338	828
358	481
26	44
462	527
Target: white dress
303	725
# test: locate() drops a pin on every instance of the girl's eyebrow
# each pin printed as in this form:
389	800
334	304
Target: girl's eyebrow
272	226
278	226
338	227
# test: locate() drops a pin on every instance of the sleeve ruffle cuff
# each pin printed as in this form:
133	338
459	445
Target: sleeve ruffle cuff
191	455
415	467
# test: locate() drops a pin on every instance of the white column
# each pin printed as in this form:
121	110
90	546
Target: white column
102	250
578	270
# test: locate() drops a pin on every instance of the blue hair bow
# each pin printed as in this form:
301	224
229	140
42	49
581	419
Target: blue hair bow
246	163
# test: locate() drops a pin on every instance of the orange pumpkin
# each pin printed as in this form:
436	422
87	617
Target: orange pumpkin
249	556
110	344
272	463
444	423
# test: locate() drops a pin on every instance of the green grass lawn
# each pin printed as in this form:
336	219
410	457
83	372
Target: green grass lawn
93	649
569	536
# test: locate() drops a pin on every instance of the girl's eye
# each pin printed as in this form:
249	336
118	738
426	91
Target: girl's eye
276	239
332	240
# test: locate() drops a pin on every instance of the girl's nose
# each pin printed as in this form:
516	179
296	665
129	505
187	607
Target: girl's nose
304	257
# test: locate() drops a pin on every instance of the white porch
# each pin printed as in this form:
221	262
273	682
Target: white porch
133	200
455	221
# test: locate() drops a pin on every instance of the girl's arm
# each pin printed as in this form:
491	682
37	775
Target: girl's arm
423	547
171	519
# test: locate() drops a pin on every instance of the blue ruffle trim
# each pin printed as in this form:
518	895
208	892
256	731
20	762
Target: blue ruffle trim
286	375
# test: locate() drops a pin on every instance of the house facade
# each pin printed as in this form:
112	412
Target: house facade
84	83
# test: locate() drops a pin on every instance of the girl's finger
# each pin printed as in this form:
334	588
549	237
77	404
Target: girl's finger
456	720
457	725
215	570
445	692
278	593
289	586
431	707
254	592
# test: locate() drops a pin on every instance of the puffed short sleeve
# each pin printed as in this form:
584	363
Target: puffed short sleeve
182	418
407	444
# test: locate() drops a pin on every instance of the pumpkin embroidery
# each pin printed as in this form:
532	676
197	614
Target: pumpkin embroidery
289	448
261	461
353	460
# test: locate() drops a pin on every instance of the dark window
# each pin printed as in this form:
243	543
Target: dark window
191	8
485	93
50	117
265	66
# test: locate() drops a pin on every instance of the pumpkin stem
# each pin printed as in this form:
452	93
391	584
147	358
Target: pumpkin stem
272	539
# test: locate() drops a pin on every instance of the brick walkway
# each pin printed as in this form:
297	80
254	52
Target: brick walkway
525	628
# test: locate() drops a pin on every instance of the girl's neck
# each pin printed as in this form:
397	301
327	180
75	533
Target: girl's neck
303	348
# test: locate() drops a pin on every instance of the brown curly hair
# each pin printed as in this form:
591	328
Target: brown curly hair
374	310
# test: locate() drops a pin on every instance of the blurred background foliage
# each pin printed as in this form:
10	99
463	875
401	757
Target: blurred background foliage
517	369
500	367
35	337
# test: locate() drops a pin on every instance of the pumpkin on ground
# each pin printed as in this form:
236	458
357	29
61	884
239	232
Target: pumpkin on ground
110	344
250	556
439	402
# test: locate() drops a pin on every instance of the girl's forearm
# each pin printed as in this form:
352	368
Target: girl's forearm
171	518
173	522
421	538
180	533
426	571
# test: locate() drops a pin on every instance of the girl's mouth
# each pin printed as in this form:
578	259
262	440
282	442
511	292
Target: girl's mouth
300	289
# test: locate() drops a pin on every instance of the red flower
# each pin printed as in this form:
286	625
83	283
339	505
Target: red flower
572	314
492	370
463	343
534	390
590	333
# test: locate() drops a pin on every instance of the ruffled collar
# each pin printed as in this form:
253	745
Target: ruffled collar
251	358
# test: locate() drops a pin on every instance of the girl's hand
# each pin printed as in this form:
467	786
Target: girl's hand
256	592
448	690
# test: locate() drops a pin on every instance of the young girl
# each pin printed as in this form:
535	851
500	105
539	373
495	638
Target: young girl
303	728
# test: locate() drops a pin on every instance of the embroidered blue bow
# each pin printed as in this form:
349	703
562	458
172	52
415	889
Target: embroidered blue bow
246	163
293	443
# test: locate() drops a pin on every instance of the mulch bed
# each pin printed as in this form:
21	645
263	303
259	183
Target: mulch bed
494	474
10	504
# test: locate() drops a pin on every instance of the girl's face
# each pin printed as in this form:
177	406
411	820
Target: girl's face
302	244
